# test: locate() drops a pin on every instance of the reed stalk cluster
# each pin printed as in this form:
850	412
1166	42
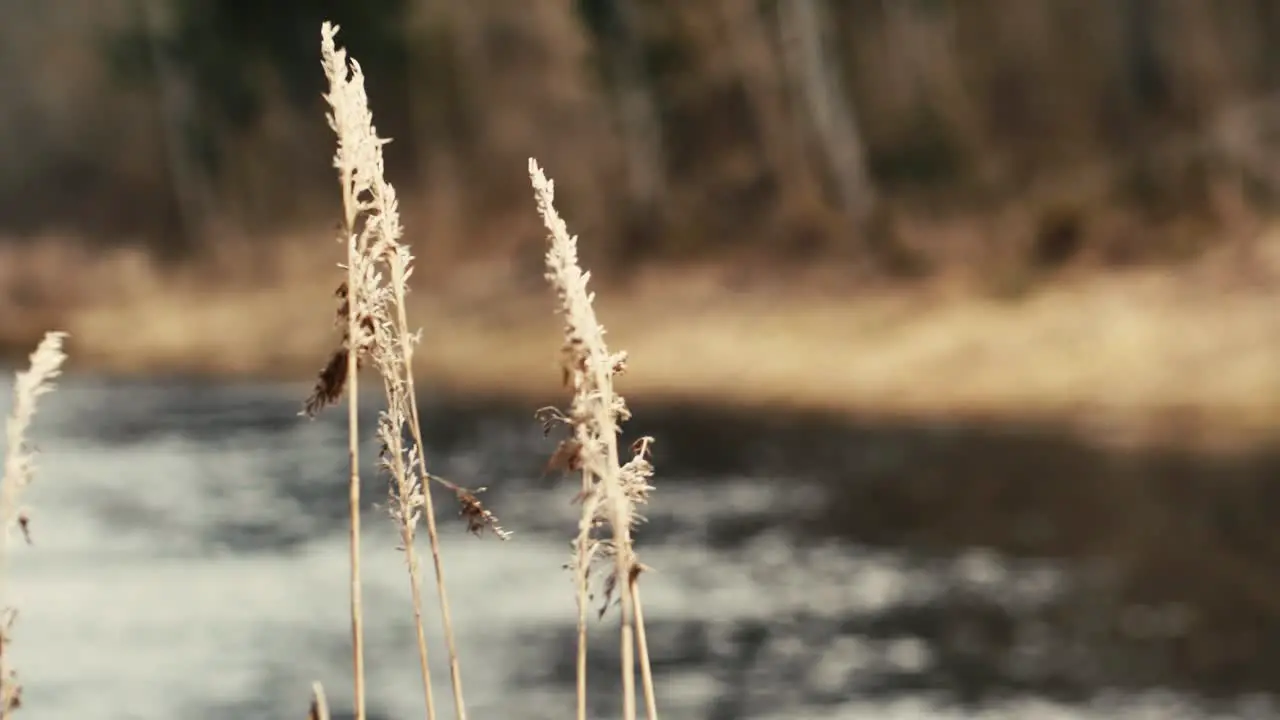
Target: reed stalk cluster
373	319
376	335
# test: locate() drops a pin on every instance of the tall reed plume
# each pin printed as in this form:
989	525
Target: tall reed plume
372	315
19	469
373	318
610	491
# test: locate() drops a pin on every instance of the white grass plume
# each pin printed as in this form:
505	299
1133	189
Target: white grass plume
611	491
19	469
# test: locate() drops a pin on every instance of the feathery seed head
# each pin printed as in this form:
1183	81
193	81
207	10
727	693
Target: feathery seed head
371	300
610	491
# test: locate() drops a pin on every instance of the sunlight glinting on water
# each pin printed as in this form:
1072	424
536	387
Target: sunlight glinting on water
181	574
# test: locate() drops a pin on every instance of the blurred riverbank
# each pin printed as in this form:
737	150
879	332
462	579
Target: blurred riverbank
1184	353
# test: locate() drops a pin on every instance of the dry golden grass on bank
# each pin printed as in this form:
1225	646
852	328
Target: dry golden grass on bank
1129	346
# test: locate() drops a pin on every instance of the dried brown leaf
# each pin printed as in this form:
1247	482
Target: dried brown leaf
567	457
477	516
24	523
329	385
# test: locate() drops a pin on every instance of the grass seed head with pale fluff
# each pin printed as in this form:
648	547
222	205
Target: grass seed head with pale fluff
371	226
19	465
19	468
610	492
382	267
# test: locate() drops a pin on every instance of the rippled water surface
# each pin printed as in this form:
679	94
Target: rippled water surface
190	561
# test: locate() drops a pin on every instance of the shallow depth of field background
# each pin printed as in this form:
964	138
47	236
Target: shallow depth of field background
957	323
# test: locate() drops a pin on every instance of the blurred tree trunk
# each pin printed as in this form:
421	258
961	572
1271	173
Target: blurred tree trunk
434	107
755	60
510	81
1267	16
903	41
634	104
1147	80
192	189
816	78
638	111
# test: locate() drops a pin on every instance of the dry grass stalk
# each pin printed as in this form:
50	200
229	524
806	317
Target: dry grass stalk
611	491
642	646
351	122
372	311
319	704
406	464
19	466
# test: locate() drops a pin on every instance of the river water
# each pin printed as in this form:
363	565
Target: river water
189	560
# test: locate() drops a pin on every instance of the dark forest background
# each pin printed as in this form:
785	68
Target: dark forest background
905	136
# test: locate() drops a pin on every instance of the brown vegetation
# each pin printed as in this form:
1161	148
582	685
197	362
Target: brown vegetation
810	131
1198	340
